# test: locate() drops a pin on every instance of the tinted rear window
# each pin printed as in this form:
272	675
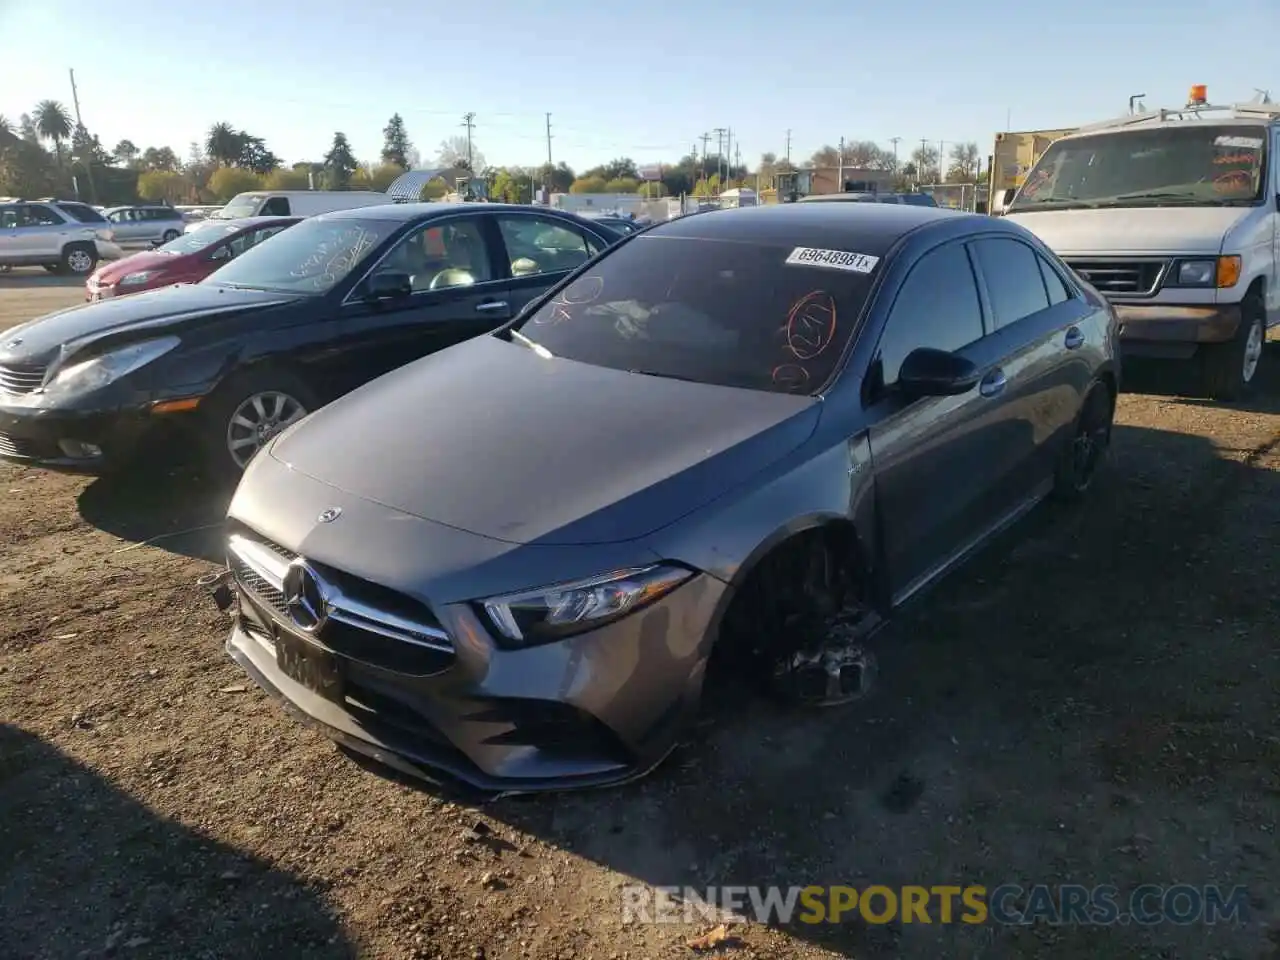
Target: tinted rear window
82	212
714	311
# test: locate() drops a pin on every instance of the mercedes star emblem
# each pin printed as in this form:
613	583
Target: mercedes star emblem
330	515
305	597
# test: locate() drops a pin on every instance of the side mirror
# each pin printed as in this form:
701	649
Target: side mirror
388	285
936	373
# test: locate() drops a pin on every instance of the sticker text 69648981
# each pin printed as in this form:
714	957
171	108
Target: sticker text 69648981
832	259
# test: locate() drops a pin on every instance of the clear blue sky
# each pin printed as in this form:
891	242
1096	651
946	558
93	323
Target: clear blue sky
639	80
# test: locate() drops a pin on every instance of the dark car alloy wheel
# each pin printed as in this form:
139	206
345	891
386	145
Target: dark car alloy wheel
1091	441
257	419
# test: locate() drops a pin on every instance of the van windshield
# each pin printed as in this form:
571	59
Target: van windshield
1203	164
238	207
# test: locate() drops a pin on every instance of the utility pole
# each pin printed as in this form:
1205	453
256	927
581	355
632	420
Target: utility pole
468	121
942	146
705	138
840	168
547	185
728	156
88	164
788	147
894	141
719	132
924	147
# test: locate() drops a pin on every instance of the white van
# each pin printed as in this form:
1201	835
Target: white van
295	203
1174	217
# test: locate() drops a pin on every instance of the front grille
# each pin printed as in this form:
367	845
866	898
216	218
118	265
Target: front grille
13	447
1122	278
367	622
21	377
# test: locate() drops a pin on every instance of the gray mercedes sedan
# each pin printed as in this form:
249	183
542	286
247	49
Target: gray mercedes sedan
733	442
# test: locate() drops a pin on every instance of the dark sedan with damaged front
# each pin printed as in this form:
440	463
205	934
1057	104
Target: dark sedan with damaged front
733	442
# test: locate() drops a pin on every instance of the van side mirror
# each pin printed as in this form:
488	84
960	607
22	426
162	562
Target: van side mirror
927	372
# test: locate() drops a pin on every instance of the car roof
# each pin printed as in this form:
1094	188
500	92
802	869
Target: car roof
240	223
873	228
404	212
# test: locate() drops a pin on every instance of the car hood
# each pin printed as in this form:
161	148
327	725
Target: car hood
42	339
490	438
145	260
1126	230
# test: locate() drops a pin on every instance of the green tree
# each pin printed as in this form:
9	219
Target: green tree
653	190
395	143
27	129
512	186
622	185
161	185
925	161
126	152
559	177
281	179
226	182
255	156
53	123
223	144
87	148
339	162
383	175
595	184
159	158
26	170
434	189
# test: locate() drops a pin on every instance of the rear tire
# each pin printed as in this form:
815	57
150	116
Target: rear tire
1228	370
1086	452
79	259
169	236
245	413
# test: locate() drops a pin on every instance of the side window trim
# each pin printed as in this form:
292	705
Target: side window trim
984	293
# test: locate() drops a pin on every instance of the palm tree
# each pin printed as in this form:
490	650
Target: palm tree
223	144
53	123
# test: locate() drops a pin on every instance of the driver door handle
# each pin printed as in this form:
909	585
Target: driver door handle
492	306
993	383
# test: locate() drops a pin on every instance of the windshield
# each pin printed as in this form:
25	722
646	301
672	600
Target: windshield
201	238
1201	165
721	312
238	207
310	258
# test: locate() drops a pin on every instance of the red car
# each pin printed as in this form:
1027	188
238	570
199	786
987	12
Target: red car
189	258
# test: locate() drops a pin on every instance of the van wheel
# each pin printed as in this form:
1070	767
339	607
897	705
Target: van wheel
246	413
79	259
1228	370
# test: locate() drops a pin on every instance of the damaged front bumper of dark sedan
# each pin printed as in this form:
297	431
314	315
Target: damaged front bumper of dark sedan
433	690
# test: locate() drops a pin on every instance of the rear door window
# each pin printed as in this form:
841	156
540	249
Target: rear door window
1015	285
38	215
82	213
713	311
542	245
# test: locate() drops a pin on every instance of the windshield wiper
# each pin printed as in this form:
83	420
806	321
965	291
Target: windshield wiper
1052	201
537	348
1158	195
665	376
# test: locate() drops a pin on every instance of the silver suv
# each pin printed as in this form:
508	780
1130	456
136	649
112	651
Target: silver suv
63	236
145	225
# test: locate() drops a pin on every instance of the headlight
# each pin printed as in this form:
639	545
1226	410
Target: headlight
1219	272
133	279
549	613
1197	273
107	367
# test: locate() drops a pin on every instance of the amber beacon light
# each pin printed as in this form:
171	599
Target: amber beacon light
1199	94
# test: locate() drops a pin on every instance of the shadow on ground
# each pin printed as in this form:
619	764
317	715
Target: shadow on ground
174	508
86	871
1050	714
1177	382
20	278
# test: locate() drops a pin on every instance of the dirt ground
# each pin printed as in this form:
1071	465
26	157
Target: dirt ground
1095	700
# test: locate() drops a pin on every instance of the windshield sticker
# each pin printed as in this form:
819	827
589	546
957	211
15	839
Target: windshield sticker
811	324
832	259
580	293
1240	143
790	376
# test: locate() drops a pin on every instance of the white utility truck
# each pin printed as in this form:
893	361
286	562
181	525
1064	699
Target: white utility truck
1172	215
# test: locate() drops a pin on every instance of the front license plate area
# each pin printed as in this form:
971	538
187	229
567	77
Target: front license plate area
307	664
